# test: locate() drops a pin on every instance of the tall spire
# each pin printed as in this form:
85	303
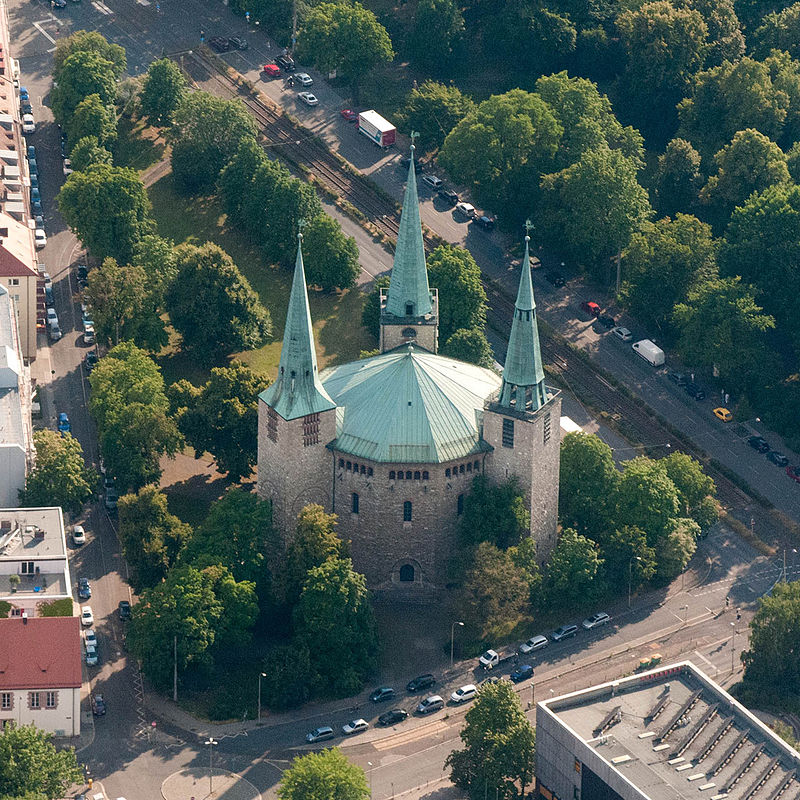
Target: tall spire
408	287
297	390
523	374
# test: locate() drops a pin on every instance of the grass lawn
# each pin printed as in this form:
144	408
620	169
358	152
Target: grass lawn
339	334
137	145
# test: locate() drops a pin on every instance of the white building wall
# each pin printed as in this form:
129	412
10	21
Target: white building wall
13	469
63	720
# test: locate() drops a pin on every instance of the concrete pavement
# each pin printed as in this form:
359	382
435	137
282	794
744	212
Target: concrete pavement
204	784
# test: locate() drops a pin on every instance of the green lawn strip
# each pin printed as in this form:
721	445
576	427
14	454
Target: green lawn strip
136	145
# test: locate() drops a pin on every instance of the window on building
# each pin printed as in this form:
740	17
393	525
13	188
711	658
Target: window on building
407	573
417	475
508	433
447	472
27	568
407	511
355	467
354	505
341	463
6	701
51	699
477	466
13	282
363	470
546	428
272	424
409	309
16	612
460	504
460	469
425	475
349	466
469	467
408	474
369	472
33	700
400	474
391	474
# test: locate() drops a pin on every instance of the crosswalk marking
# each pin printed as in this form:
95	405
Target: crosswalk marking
101	7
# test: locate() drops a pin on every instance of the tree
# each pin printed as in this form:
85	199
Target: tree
107	209
31	766
334	620
331	258
779	30
676	548
494	513
156	256
694	487
499	746
750	163
91	42
207	132
163	89
221	417
203	611
587	482
347	39
83	73
433	109
237	179
285	684
725	39
326	775
87	152
628	560
470	345
123	307
494	595
771	660
591	208
439	21
92	117
572	575
59	476
646	498
212	305
151	537
722	327
677	179
661	262
130	408
371	312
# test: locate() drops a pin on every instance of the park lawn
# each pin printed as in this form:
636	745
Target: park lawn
339	333
138	145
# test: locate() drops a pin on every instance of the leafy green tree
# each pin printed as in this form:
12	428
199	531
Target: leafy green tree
434	109
107	209
494	594
347	39
59	476
462	298
326	775
523	556
221	417
793	161
750	163
779	30
330	257
87	152
725	38
572	577
499	746
203	611
334	619
156	256
89	42
470	345
775	640
123	307
676	548
83	73
662	261
722	327
371	312
212	305
130	408
677	180
494	513
693	485
92	117
646	498
164	87
151	537
31	766
206	131
628	560
588	480
238	176
592	208
442	22
286	670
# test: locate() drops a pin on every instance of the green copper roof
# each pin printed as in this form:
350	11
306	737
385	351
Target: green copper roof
297	390
523	373
409	281
409	405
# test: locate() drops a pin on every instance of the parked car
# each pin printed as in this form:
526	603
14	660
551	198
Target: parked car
31	151
607	321
271	71
91	361
111	499
64	425
320	734
78	535
622	333
124	610
87	617
355	726
54	331
88	333
382	694
433	181
58	4
33	166
723	414
405	162
84	589
393	717
555	278
348	115
25	108
92	659
793	473
82	275
39	238
695	391
308	98
36	200
98	705
678	378
421	682
596	620
237	43
534	643
66	167
91	638
590	307
28	124
303	78
521	673
219	44
448	195
23	93
779	459
464	693
759	443
484	221
466	209
564	632
286	63
430	704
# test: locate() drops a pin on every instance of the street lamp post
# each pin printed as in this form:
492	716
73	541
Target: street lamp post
685	610
260	676
369	764
452	639
733	644
211	743
784	562
630	565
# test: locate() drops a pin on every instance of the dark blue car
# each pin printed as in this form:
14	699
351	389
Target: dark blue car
522	673
63	423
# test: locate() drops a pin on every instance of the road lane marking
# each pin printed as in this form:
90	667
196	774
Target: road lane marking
410	736
101	7
38	26
710	664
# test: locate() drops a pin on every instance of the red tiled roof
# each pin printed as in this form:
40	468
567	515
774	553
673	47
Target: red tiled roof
42	653
13	267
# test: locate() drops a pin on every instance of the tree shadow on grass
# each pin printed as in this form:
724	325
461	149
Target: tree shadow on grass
137	146
191	498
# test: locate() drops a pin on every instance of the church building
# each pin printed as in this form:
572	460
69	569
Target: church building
391	443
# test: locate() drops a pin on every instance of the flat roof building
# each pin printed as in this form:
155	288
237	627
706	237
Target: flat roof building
667	734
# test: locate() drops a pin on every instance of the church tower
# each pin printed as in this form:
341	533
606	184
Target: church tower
296	418
409	307
524	424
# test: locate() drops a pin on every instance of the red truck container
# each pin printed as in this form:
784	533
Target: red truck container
376	128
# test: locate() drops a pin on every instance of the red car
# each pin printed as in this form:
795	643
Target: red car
349	115
793	473
271	71
591	308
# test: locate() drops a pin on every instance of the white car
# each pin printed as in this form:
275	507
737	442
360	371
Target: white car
303	78
87	618
308	98
467	209
596	620
534	643
355	726
78	534
28	123
91	638
622	333
465	693
91	656
432	181
40	238
52	317
67	168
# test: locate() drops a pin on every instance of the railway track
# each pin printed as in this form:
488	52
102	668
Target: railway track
302	147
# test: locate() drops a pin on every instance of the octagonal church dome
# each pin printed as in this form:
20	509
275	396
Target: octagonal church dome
409	406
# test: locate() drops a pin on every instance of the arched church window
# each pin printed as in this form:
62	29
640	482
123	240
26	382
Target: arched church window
355	502
406	573
408	474
407	511
417	475
391	474
425	475
409	309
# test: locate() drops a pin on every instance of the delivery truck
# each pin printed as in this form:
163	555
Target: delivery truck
376	128
650	352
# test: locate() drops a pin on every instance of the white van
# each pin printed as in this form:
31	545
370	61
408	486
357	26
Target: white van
650	352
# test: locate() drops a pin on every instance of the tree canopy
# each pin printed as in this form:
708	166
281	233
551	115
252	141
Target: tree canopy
462	299
163	88
572	575
434	109
326	775
677	179
439	21
330	257
470	345
87	152
91	42
494	513
93	117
